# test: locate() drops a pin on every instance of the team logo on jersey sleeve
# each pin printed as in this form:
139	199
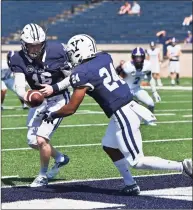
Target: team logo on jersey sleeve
30	69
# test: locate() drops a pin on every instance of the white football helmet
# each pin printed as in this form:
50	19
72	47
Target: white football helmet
33	40
81	47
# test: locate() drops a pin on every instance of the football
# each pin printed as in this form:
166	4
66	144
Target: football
35	98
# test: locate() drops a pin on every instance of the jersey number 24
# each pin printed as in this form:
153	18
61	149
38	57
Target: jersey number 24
111	79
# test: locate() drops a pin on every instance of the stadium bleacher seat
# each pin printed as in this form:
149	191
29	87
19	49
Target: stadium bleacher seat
102	22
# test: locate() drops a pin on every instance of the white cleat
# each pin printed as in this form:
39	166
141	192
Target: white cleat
55	169
39	181
187	167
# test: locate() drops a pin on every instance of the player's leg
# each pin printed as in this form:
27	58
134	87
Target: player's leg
159	82
154	78
60	159
143	96
3	93
172	72
177	72
110	146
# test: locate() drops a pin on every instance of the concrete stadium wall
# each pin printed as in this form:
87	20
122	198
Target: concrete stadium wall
123	52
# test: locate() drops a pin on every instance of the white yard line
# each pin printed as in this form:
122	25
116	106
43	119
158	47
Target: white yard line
95	104
173	110
98	179
99	124
170	88
98	144
190	115
84	113
9	177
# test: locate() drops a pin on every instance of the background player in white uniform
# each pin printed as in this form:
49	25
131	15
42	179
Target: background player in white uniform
7	80
44	66
134	72
153	55
173	53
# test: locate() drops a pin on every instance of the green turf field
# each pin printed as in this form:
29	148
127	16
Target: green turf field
79	137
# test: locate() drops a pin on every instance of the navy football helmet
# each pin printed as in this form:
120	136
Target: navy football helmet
138	57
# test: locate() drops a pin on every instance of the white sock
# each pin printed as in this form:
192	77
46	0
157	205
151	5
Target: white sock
156	163
59	157
153	81
43	171
173	82
123	168
159	81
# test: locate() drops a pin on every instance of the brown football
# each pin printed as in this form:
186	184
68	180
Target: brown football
35	98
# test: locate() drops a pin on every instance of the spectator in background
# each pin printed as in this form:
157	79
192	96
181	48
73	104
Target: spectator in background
125	8
187	20
165	40
188	39
119	69
136	9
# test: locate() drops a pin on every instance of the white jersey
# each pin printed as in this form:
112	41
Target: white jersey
6	73
135	77
154	59
173	51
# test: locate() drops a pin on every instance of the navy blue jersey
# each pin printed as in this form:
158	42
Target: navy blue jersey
48	71
107	89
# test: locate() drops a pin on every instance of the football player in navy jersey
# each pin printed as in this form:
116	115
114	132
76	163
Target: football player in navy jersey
45	67
94	74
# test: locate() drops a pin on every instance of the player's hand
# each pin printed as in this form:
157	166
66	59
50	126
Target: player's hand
47	116
47	90
25	98
156	96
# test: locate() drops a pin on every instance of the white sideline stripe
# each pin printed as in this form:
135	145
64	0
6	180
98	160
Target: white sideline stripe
173	110
89	112
166	96
97	144
7	177
99	179
187	115
163	110
170	88
95	104
100	124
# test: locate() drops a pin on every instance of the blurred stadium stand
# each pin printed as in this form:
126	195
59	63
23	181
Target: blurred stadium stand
66	18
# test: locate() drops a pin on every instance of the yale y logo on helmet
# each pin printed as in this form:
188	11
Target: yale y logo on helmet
81	47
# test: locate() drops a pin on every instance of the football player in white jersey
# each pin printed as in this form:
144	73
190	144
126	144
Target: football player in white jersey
153	55
134	72
173	53
7	80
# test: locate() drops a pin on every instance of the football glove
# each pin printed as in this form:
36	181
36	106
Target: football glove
156	96
47	117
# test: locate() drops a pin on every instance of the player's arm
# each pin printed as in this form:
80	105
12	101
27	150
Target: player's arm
168	53
20	84
179	52
75	101
127	69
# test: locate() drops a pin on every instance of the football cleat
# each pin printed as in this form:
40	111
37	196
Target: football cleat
39	181
55	169
131	190
187	167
